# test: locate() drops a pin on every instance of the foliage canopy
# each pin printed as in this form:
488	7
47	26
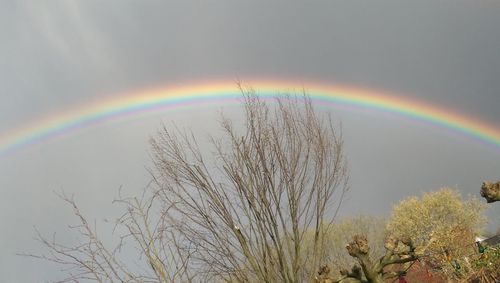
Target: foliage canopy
442	225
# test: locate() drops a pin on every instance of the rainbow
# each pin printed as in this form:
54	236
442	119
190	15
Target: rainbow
178	96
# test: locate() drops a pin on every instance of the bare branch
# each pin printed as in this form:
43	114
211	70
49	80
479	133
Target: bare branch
247	207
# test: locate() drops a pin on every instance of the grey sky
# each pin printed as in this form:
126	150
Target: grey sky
59	54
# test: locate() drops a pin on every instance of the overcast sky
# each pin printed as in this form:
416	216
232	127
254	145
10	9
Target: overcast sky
58	55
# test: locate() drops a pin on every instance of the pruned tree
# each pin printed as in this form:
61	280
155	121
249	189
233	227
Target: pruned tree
491	191
340	233
237	213
397	252
246	209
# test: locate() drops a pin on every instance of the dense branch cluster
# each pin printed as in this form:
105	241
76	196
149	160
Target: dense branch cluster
247	209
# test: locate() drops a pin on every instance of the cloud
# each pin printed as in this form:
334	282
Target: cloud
71	33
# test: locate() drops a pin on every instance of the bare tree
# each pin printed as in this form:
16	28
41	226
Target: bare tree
237	214
158	257
246	209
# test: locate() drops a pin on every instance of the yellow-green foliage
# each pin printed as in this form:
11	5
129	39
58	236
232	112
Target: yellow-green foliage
441	224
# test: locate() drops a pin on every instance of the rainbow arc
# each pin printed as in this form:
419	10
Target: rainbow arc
130	104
